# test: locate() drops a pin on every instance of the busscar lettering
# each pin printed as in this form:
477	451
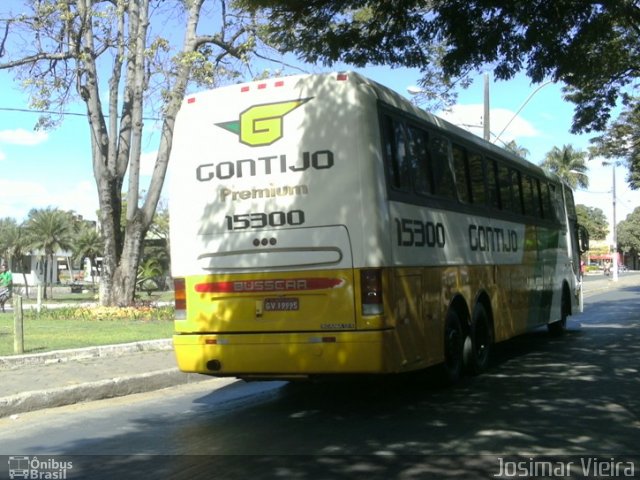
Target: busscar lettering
269	285
252	167
492	239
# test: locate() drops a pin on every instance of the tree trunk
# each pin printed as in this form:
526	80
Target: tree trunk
119	287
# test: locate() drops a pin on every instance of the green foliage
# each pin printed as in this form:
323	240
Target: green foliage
513	147
569	164
628	232
621	142
149	272
594	220
591	47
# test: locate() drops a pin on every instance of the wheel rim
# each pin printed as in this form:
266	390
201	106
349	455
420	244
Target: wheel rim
453	350
482	340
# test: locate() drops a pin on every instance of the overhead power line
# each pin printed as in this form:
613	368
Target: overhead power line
51	112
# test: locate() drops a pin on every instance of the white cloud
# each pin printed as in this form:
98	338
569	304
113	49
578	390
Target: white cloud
20	136
82	199
470	116
19	197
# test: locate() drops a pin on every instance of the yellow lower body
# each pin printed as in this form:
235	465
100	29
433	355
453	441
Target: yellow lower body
286	354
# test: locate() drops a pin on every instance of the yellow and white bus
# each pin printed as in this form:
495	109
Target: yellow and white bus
323	225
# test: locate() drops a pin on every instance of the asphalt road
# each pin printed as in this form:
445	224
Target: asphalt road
572	401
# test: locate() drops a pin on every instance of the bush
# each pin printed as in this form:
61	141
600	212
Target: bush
101	314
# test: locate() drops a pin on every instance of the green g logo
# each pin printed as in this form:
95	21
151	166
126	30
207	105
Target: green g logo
262	124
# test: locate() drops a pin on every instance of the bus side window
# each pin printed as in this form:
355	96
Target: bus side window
531	196
537	198
461	171
527	195
441	167
516	190
547	206
395	149
493	192
571	206
504	179
476	176
557	202
418	140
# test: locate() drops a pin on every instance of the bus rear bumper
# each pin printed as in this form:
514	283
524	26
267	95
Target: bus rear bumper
285	354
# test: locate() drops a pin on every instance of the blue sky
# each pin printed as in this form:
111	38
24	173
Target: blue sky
40	169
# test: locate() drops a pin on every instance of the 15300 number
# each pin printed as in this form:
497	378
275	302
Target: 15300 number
257	221
416	233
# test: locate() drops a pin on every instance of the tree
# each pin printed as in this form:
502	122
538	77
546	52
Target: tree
122	60
589	46
569	164
49	231
513	147
87	243
621	142
594	220
628	234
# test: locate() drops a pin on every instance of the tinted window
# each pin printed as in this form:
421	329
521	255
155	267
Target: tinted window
493	192
461	171
476	174
395	146
422	172
442	175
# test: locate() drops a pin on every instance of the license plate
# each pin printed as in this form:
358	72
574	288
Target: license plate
288	304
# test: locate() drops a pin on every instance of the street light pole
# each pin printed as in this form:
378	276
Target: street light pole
486	118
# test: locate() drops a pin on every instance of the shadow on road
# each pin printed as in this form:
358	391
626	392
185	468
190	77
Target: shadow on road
558	398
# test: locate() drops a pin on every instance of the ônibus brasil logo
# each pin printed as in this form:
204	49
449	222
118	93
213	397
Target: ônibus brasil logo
262	124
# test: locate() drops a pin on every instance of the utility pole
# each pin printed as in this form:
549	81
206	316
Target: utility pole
486	121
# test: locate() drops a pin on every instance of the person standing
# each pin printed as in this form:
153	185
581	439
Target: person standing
6	284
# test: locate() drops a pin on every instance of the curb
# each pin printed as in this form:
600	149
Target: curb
116	387
59	356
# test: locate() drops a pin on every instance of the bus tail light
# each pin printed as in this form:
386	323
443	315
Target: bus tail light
180	296
371	290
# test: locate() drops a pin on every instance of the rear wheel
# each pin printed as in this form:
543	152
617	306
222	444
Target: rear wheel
477	346
560	326
453	341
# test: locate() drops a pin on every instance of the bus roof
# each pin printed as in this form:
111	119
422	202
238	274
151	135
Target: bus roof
394	99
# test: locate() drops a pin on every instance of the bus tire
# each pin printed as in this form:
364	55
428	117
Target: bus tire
477	346
560	326
453	343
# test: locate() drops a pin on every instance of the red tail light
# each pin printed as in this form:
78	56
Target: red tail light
180	297
371	288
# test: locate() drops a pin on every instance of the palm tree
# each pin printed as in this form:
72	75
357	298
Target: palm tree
569	164
513	147
49	230
13	246
88	244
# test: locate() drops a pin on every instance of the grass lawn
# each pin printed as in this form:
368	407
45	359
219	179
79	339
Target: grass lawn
52	331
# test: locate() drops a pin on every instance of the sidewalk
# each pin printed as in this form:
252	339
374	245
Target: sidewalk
65	377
